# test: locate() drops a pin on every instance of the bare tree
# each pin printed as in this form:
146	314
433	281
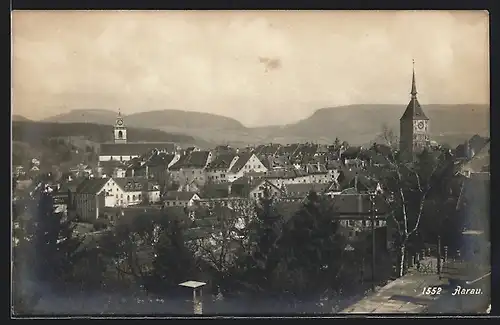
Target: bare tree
225	232
405	186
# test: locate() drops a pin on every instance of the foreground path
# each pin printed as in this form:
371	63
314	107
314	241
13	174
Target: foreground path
405	295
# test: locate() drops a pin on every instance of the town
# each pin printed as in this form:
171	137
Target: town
227	163
139	195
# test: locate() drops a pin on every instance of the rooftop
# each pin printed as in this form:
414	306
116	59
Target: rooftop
192	284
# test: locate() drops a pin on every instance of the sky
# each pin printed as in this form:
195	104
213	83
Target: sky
259	67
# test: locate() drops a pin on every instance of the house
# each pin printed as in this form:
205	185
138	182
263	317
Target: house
353	209
112	168
92	195
180	198
153	165
253	188
244	164
285	176
191	167
318	173
138	190
217	170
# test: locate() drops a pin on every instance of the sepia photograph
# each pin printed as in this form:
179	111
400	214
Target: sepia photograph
246	163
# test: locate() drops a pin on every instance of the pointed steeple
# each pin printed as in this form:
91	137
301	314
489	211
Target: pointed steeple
413	84
414	110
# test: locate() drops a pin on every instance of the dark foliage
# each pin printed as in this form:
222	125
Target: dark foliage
35	132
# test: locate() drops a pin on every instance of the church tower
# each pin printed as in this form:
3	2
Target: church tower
120	131
414	125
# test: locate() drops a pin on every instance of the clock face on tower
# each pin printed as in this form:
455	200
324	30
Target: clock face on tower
420	125
119	122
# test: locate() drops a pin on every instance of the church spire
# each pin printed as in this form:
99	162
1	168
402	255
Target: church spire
413	83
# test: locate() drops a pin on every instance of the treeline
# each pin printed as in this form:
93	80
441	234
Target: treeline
34	132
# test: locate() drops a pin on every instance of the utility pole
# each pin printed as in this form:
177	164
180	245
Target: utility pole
372	203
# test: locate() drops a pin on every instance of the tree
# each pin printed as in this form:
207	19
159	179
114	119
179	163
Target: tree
51	247
310	250
173	262
225	234
258	257
406	186
130	247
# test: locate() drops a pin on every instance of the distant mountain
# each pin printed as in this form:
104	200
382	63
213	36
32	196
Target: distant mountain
98	116
357	124
151	120
360	124
20	118
182	119
36	132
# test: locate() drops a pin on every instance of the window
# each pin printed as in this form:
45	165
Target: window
133	197
139	197
121	196
116	195
120	135
128	197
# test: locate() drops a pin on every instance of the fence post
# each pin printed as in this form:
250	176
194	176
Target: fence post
439	256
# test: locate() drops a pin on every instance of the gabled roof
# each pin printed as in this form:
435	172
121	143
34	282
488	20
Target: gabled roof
267	149
193	159
216	190
316	169
134	148
160	159
242	160
289	149
221	161
134	184
91	186
179	195
351	152
70	186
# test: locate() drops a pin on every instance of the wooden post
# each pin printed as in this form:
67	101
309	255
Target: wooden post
439	256
372	224
197	298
